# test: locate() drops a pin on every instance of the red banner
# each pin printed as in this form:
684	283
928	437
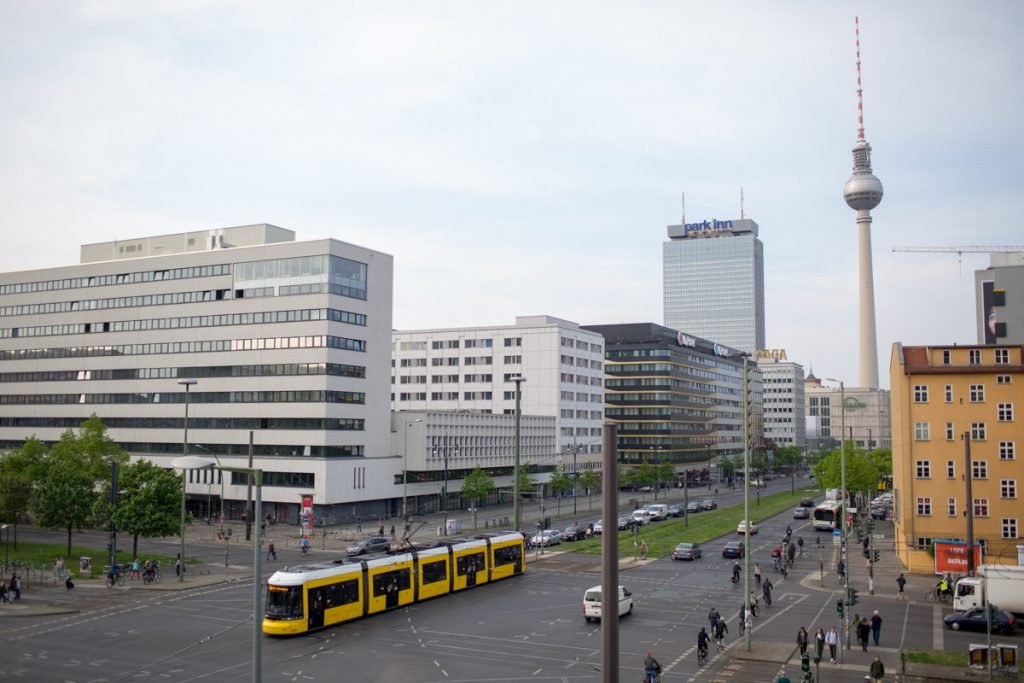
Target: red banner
307	510
951	557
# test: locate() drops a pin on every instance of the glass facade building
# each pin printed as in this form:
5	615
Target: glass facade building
713	279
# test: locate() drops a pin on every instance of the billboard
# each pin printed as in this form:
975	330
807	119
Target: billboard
951	557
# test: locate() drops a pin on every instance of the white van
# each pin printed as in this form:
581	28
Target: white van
659	511
592	603
642	517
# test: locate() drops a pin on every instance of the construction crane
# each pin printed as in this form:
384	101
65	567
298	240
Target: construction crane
960	251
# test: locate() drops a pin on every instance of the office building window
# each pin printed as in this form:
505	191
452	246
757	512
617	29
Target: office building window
1004	411
924	506
1007	450
1008	488
1009	525
924	469
920	393
921	431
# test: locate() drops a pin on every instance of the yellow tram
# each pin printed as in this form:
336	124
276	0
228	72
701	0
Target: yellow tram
318	594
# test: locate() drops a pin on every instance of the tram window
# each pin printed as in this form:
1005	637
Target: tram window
395	580
434	571
470	563
284	602
343	593
504	556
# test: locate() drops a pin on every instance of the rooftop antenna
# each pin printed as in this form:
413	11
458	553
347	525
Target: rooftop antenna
742	216
684	209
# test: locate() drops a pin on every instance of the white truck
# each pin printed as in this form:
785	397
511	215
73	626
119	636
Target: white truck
1004	584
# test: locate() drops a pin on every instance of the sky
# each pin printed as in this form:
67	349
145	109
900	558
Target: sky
525	158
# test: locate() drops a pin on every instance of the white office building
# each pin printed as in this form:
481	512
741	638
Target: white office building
471	369
864	411
783	397
713	278
286	343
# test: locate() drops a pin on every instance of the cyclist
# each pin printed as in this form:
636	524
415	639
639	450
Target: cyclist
942	588
736	572
757	573
702	644
753	603
652	669
800	544
304	545
713	618
720	630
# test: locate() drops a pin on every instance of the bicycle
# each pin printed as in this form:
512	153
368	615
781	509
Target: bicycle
115	578
935	595
702	656
720	642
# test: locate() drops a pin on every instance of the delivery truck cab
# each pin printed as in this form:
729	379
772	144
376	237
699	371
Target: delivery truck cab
1004	585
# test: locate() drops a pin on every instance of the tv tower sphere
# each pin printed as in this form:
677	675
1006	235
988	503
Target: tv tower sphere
863	191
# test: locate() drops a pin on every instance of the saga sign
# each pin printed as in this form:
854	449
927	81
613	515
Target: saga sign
686	340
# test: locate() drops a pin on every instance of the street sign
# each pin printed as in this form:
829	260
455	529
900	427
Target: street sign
835	537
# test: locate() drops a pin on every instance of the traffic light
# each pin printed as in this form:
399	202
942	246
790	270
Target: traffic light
867	555
805	662
860	535
876	555
839	607
853	597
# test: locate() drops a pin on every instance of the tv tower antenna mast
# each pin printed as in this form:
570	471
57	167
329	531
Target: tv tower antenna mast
863	192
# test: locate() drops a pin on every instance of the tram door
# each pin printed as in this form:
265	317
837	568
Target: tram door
518	559
316	608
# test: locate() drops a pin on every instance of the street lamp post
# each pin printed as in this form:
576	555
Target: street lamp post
186	463
575	473
516	511
746	494
843	550
187	383
405	473
7	542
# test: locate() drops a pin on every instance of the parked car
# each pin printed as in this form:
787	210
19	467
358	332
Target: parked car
659	511
598	527
806	502
675	510
693	508
741	528
592	603
574	533
757	483
801	513
642	517
626	523
373	544
733	549
686	551
548	537
974	620
709	504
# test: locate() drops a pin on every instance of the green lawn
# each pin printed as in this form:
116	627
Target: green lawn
43	555
941	657
663	536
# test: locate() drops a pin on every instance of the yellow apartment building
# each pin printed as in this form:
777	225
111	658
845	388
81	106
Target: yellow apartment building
939	395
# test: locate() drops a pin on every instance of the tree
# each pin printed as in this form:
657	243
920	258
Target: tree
559	483
526	482
148	504
882	457
728	465
476	486
861	471
664	472
65	495
590	480
18	470
97	450
643	475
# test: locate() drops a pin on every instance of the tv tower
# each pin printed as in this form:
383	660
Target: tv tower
863	192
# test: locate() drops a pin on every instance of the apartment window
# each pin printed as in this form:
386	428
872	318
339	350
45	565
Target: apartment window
977	393
949	393
1009	525
513	360
978	431
921	431
924	506
945	357
924	469
950	469
951	507
981	507
513	341
920	393
949	431
1002	356
924	543
1004	411
974	356
1006	450
1003	379
1008	488
979	469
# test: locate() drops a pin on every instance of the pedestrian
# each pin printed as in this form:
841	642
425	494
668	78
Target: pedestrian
643	550
392	532
783	678
800	544
380	531
864	633
901	581
359	525
757	573
841	571
3	593
819	643
801	640
58	568
177	565
713	617
271	551
791	552
16	586
877	670
876	626
135	572
832	640
855	625
766	589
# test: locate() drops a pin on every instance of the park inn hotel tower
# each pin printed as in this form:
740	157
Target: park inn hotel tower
714	282
288	345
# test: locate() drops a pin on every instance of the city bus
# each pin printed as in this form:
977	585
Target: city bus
827	515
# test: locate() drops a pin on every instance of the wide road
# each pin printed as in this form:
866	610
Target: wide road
528	628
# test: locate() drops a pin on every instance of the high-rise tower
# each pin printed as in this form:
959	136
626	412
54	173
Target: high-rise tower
863	192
